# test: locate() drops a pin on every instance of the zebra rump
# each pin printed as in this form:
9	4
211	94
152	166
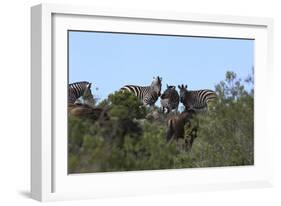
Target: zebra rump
196	99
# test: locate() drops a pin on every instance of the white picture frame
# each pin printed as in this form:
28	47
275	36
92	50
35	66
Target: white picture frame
49	178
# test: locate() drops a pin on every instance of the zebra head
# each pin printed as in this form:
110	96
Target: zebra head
183	92
168	92
87	95
156	85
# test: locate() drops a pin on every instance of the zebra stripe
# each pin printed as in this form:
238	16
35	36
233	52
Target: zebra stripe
79	89
196	99
147	94
170	99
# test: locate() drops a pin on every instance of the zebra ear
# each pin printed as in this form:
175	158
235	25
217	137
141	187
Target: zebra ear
89	85
179	86
186	86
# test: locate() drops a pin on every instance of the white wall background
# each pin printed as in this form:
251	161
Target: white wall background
15	109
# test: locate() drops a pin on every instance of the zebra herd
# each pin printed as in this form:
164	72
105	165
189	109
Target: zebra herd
193	101
148	95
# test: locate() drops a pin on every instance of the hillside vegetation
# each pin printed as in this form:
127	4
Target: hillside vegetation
128	140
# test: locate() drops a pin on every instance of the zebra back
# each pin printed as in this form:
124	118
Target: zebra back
147	94
80	89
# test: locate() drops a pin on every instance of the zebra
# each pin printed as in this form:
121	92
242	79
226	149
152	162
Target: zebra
197	99
183	126
170	99
148	95
80	89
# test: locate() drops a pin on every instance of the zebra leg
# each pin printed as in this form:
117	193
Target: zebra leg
171	140
186	142
193	136
169	133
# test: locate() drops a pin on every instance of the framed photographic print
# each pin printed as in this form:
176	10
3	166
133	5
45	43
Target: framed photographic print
136	102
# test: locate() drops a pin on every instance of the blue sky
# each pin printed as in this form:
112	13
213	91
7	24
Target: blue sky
112	60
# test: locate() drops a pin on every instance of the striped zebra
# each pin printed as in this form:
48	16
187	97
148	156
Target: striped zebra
80	89
148	95
196	100
170	99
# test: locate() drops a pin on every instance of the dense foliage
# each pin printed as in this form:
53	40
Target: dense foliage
129	140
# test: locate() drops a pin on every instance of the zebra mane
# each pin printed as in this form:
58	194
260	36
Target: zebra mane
80	82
